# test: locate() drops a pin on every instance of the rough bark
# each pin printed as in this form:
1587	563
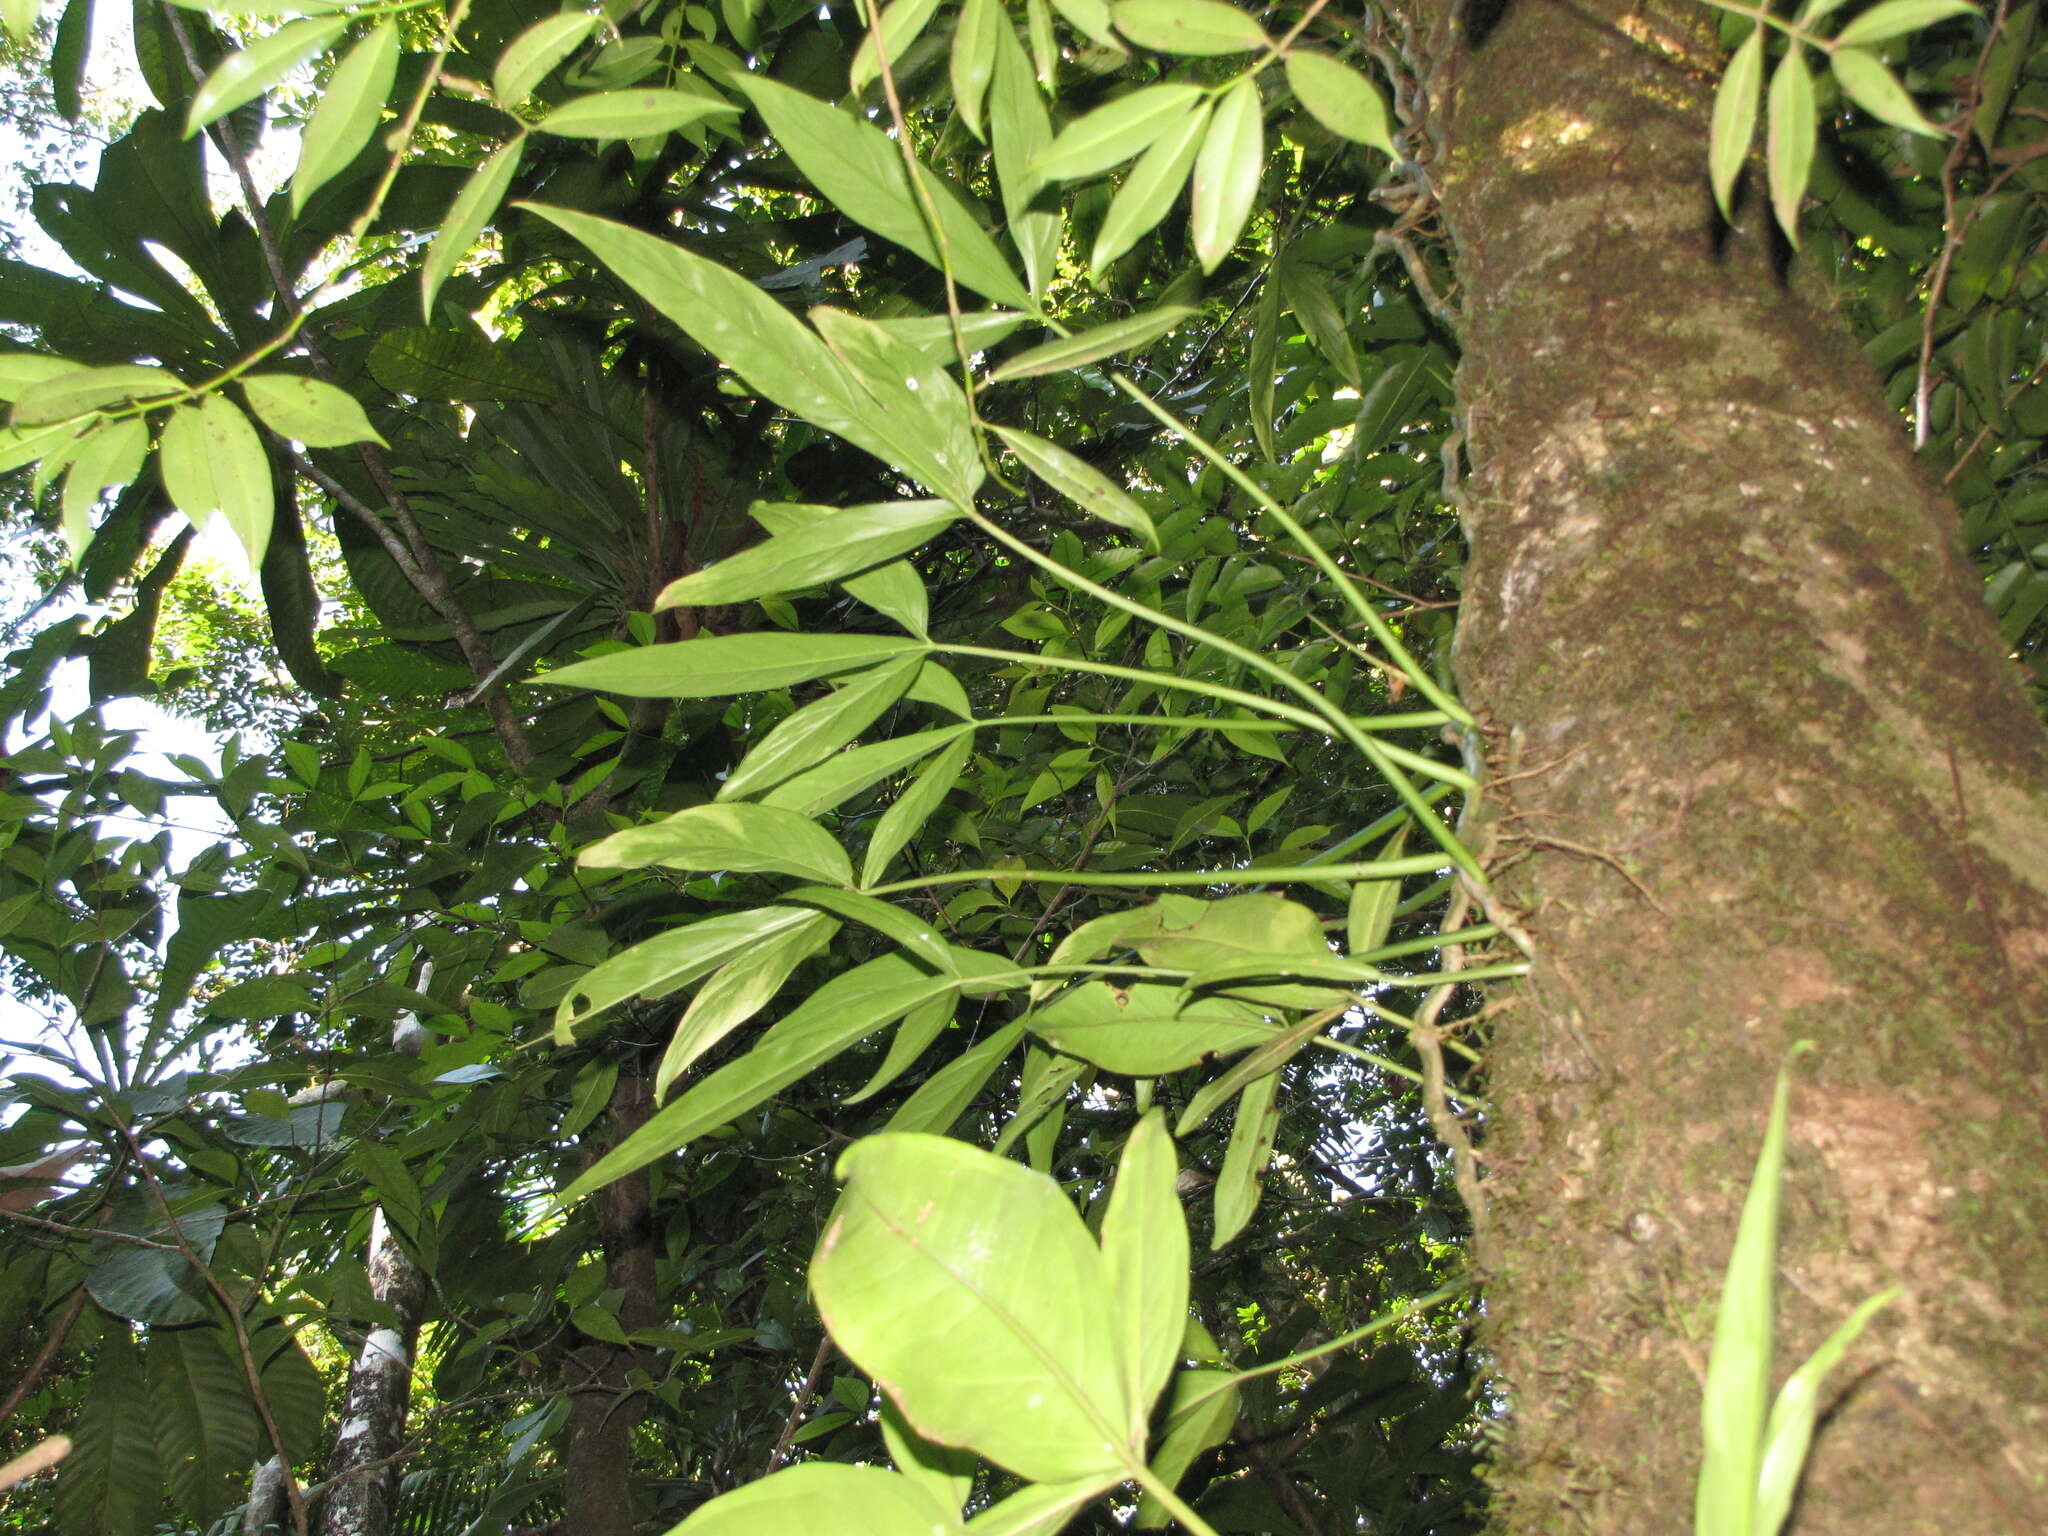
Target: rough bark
1764	776
606	1406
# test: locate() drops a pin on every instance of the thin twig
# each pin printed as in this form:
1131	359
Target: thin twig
802	1404
59	1331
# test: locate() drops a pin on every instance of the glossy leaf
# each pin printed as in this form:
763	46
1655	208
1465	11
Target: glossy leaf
1149	190
741	988
214	465
472	209
532	56
1792	126
824	1495
349	111
824	550
244	75
1734	124
307	411
738	837
1199	28
920	410
1341	99
1080	482
1877	90
633	114
716	666
914	807
1113	133
1145	1249
1092	346
1227	171
805	738
967	1286
1246	1157
672	960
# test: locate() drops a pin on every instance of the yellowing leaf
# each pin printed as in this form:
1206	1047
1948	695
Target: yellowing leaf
1341	99
824	1496
349	111
214	464
1227	172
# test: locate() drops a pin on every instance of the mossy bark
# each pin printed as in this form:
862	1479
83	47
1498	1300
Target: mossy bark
1764	775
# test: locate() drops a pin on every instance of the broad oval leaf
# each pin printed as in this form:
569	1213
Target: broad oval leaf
1227	171
1341	99
1145	1249
1149	190
738	837
824	1496
350	109
244	75
1895	18
23	371
213	463
1877	90
1112	134
531	56
1792	126
308	411
633	114
1735	118
1090	346
1201	28
671	960
967	1286
834	546
715	666
467	216
1080	482
1146	1030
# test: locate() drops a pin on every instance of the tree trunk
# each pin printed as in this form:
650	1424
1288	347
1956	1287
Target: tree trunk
1763	776
606	1406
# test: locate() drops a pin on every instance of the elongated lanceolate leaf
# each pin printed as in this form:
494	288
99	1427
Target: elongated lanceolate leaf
1792	125
1145	1249
1201	28
1019	127
1790	1432
1090	346
214	464
914	807
531	56
894	589
1040	1509
922	412
1149	190
715	666
969	1289
742	987
111	455
944	1096
973	59
247	74
1245	1158
821	551
1341	99
1199	1415
472	210
819	789
635	113
819	729
72	392
349	111
1877	90
1080	482
899	25
1112	134
825	1496
1734	122
671	960
1227	170
738	837
308	411
848	1008
1895	18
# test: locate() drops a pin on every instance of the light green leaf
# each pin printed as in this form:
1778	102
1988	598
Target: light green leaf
1877	90
671	960
967	1286
1245	1159
1080	482
1790	1432
824	1496
1146	1030
1145	1249
1092	20
1089	346
1149	190
944	1096
1895	18
1112	134
973	58
350	109
1791	128
1734	123
1227	172
716	666
1040	1509
1341	99
214	465
1373	903
111	455
19	18
900	24
1019	128
943	1471
833	546
1280	1047
635	113
21	372
247	74
819	729
913	1035
1198	28
916	403
818	790
914	807
308	411
1200	1415
19	446
860	170
737	837
742	987
73	392
846	1009
889	920
531	56
894	590
472	209
931	336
